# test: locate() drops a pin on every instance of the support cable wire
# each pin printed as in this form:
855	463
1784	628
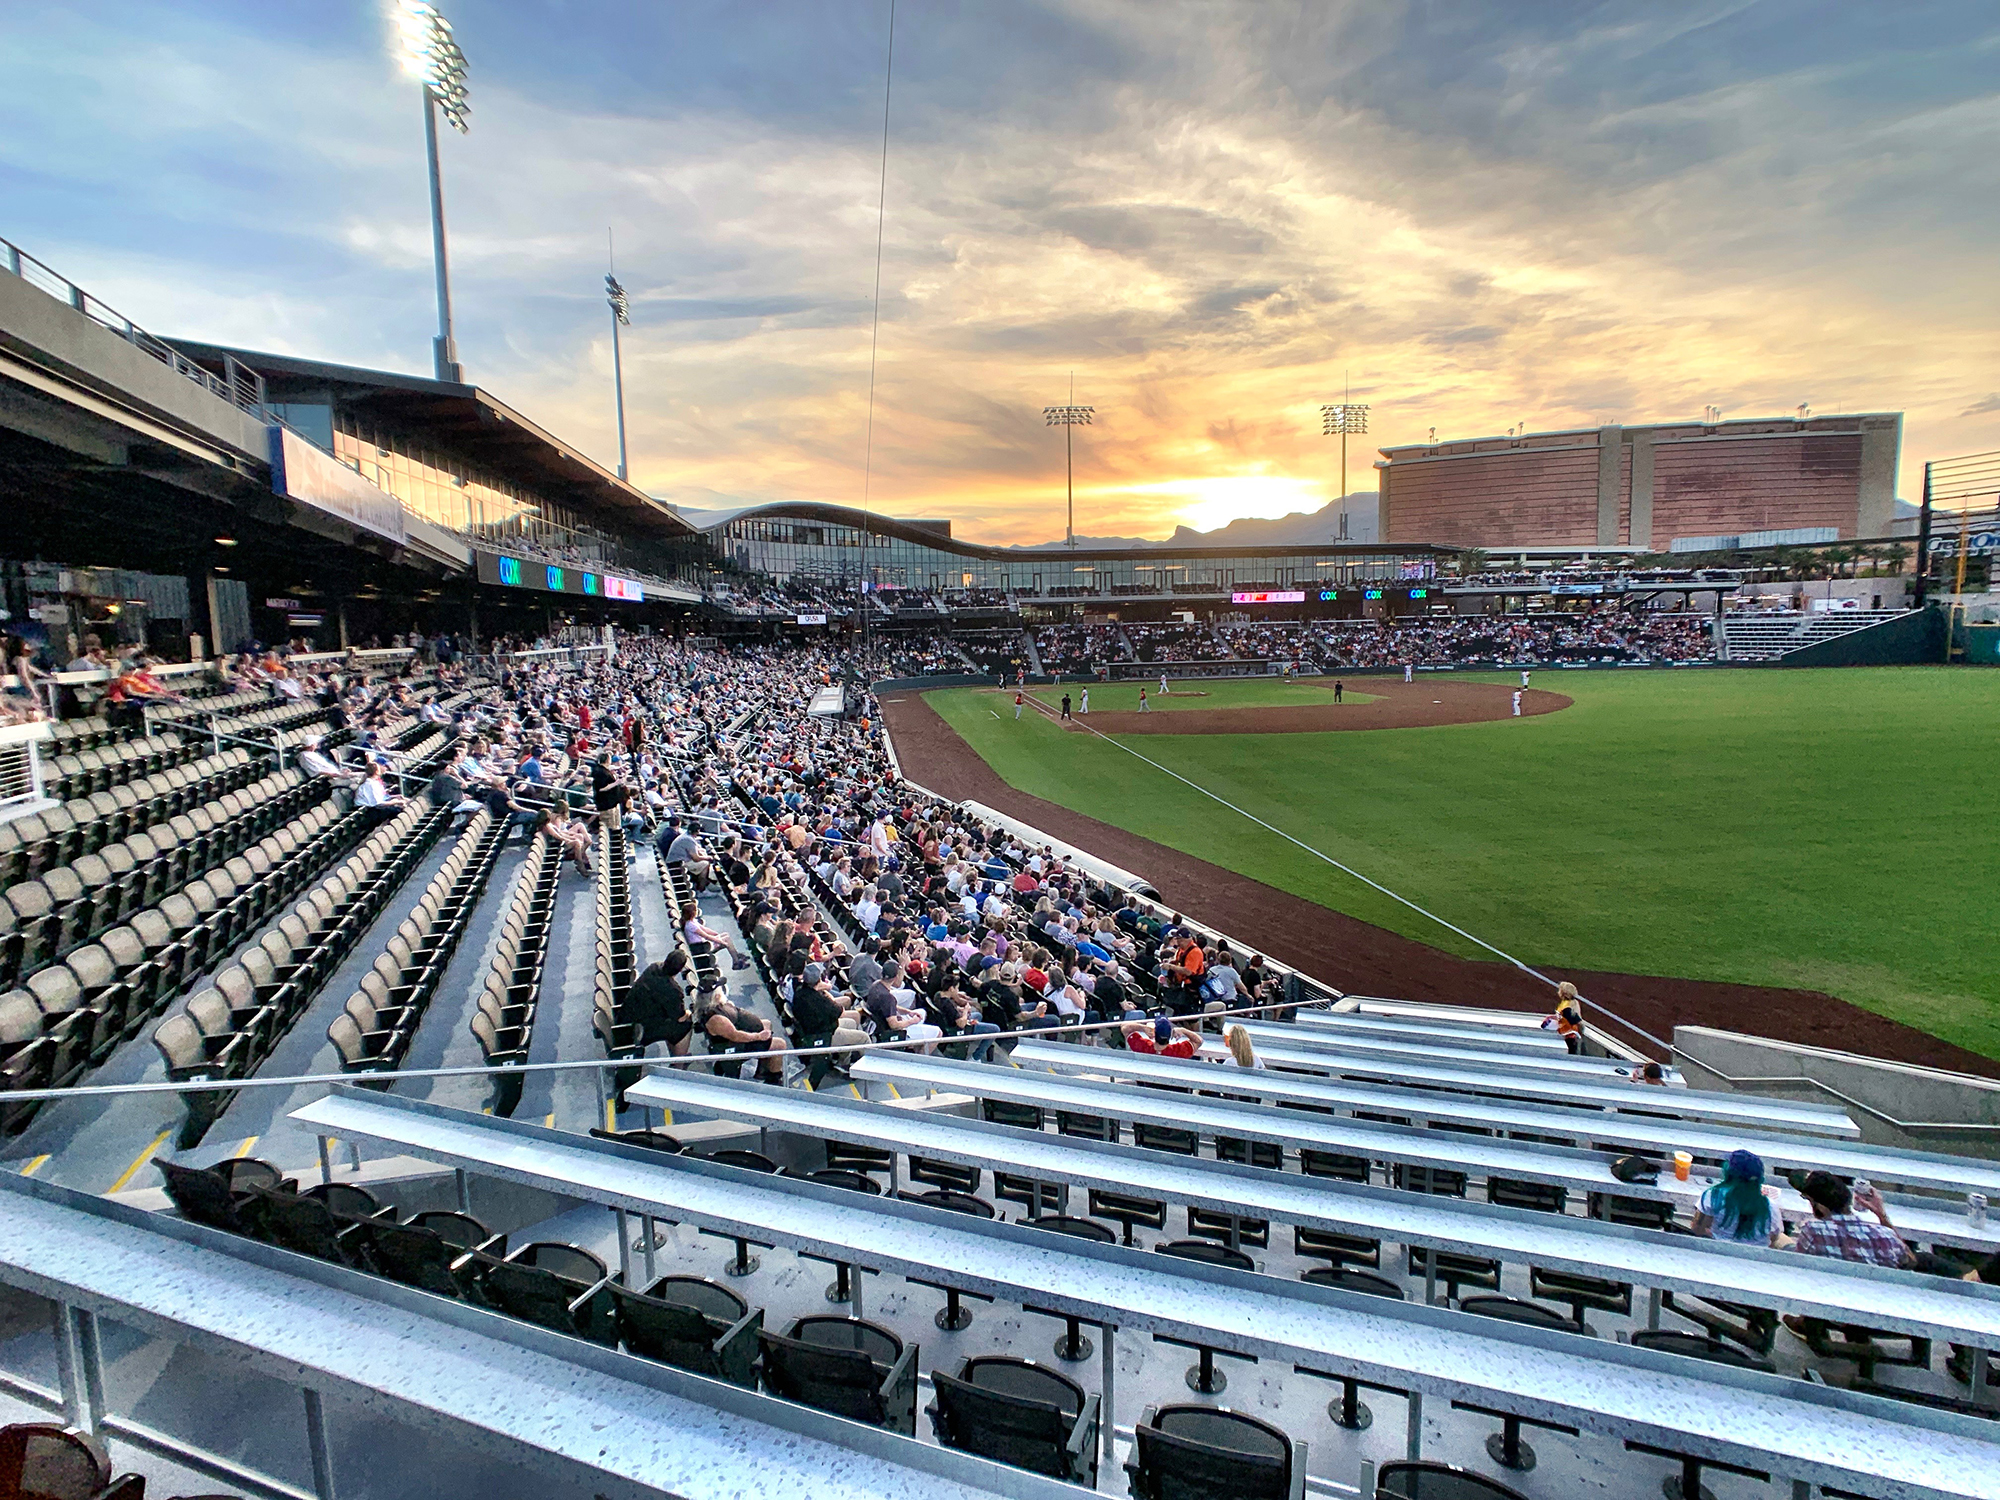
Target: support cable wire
875	326
1377	885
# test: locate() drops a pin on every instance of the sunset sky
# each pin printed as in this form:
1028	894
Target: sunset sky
1482	214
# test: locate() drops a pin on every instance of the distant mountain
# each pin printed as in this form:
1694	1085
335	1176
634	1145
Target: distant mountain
1300	529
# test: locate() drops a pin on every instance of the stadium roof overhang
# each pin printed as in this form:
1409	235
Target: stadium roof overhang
925	535
469	421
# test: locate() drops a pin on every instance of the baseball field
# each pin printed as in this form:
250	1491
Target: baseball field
1829	832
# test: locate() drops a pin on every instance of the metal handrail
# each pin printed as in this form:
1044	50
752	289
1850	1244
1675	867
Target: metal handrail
599	1064
238	384
1969	1127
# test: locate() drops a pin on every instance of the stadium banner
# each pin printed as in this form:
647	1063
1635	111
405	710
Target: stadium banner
312	476
1270	596
809	620
553	578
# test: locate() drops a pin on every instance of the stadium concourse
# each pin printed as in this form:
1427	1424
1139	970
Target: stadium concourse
918	1154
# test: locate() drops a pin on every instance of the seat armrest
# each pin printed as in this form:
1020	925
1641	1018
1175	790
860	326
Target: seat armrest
583	1298
1083	1433
903	1371
736	1351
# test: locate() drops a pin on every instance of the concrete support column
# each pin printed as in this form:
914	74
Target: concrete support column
1642	489
1609	441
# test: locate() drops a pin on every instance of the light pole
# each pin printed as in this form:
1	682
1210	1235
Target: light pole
1068	418
1343	419
433	59
621	312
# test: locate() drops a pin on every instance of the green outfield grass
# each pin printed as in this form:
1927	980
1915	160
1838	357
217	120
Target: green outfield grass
1829	830
1223	692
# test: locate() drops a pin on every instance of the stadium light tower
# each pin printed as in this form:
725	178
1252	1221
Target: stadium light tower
621	313
432	58
1342	419
1069	418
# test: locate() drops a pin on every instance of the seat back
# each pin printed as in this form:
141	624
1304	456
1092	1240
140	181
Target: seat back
199	1196
1409	1479
415	1256
1172	1467
42	1461
529	1293
179	1042
1007	1428
669	1332
845	1382
305	1226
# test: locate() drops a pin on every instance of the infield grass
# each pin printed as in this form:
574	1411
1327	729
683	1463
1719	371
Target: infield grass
1831	830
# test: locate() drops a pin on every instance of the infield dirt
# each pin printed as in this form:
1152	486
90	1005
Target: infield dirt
1392	705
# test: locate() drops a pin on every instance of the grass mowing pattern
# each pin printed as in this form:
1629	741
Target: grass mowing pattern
1829	830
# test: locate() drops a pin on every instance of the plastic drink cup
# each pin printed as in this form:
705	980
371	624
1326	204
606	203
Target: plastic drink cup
1683	1163
1975	1209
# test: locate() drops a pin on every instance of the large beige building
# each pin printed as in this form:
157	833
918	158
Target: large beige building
1646	487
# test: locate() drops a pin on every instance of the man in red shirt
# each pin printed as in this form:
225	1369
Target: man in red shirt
1161	1038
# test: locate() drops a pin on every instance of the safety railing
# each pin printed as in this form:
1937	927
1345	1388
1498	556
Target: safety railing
237	384
21	766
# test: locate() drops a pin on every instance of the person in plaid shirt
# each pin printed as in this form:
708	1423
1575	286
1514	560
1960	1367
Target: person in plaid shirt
1836	1230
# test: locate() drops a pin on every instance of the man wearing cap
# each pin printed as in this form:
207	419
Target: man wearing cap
316	762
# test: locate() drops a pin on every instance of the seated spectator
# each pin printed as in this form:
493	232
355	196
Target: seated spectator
1241	1048
701	937
657	1004
888	1019
316	762
1740	1208
374	797
730	1029
569	836
1160	1037
1835	1230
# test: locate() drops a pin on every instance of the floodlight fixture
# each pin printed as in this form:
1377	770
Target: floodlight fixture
433	58
621	314
1338	420
1068	418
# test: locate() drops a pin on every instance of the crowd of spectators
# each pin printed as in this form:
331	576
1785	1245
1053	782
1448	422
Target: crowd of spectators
1176	643
1607	635
1070	650
998	653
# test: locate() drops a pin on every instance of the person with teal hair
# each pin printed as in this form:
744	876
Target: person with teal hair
1738	1208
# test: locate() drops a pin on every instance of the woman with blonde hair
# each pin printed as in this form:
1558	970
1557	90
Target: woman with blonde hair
1240	1048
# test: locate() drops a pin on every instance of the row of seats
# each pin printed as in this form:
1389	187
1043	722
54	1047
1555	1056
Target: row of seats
67	736
504	1022
311	940
81	772
372	1035
617	964
71	1015
47	840
76	902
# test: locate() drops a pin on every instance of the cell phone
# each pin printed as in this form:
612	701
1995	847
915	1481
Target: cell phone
1163	1030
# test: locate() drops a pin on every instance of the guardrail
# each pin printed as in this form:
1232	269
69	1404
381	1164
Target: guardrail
21	765
237	385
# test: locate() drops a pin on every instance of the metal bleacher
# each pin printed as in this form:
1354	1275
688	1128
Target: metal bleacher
1764	637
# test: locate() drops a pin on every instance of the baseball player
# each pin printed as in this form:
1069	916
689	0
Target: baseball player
1019	699
1144	707
1084	706
1517	700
